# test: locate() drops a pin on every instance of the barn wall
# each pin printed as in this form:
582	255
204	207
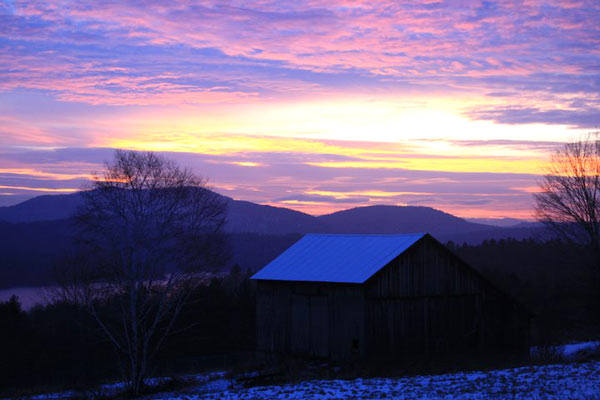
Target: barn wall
272	317
347	321
420	325
317	320
428	300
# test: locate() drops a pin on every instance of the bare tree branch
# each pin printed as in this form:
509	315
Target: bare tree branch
569	197
147	228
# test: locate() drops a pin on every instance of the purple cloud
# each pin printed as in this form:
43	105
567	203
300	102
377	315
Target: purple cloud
128	53
586	117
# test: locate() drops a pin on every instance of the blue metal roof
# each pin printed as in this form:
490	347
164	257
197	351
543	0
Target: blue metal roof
336	258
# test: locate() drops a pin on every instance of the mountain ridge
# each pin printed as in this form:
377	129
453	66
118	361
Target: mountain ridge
248	217
40	231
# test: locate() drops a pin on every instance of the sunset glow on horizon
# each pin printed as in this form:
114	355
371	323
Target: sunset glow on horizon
314	106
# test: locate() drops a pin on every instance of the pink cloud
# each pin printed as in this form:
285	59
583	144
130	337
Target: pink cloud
398	40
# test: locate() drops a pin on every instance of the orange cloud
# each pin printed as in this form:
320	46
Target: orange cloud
38	189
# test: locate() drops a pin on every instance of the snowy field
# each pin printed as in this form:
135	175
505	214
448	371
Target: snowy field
559	381
570	381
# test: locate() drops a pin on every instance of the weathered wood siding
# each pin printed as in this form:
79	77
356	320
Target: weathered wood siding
409	325
428	300
318	320
273	303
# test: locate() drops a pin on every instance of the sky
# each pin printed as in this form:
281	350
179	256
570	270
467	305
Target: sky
312	105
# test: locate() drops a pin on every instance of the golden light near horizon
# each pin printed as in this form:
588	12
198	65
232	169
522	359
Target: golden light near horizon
350	134
376	134
376	120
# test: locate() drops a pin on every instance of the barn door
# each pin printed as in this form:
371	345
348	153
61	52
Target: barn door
300	324
319	327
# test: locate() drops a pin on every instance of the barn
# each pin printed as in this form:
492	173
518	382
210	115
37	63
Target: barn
343	297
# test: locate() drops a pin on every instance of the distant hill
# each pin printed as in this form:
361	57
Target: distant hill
42	208
473	238
35	234
29	251
504	222
248	217
398	219
242	216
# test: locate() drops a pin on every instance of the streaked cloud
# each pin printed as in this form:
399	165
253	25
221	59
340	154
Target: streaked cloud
39	189
290	180
213	52
586	116
313	105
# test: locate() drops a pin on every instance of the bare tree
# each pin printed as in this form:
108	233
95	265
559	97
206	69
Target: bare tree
569	200
149	229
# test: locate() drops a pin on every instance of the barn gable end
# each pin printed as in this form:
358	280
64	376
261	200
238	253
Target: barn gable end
429	300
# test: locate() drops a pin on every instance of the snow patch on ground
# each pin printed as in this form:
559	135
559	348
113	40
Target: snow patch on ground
559	381
203	383
570	350
570	381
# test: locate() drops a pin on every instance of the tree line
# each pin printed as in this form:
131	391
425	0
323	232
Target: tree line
59	345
